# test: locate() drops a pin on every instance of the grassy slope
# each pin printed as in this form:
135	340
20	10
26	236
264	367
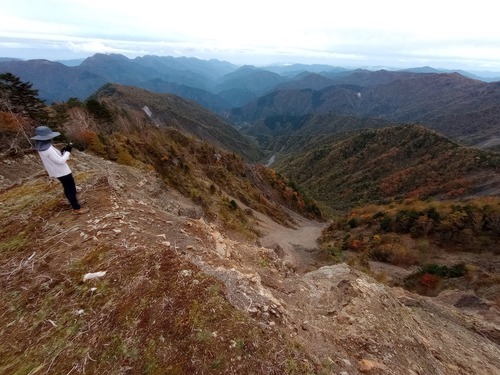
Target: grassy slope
209	175
154	311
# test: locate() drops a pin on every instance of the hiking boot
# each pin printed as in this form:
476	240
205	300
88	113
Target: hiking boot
80	211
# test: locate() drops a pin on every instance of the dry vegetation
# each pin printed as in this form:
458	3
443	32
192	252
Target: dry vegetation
375	166
154	312
444	244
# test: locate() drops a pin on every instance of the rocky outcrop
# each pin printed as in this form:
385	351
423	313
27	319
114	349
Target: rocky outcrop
352	324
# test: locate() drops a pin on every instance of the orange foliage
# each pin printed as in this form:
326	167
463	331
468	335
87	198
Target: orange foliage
455	193
393	183
85	137
429	281
8	122
287	191
356	245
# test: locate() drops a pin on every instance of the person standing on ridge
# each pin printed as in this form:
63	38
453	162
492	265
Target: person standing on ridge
54	162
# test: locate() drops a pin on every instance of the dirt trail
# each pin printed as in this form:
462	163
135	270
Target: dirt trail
299	244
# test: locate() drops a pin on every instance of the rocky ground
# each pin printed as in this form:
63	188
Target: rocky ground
142	237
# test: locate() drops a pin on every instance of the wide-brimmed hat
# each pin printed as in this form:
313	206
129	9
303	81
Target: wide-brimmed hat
43	133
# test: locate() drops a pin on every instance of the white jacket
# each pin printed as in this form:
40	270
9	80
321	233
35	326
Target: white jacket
55	162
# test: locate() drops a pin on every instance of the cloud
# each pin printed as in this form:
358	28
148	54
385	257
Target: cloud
91	47
376	32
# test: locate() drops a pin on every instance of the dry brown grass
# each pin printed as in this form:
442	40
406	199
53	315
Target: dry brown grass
154	312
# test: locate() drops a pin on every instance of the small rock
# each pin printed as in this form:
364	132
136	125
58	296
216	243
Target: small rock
365	365
93	275
347	362
185	273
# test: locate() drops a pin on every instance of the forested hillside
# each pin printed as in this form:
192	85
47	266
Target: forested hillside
463	109
166	110
350	169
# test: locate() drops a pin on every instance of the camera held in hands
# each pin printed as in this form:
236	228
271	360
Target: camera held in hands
68	147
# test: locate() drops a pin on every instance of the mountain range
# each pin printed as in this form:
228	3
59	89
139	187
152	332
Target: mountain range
465	109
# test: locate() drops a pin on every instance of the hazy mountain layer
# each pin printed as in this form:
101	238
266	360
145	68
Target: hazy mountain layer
458	107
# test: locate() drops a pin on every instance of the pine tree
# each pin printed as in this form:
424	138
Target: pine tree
20	98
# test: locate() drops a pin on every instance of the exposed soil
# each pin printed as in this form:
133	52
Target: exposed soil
298	246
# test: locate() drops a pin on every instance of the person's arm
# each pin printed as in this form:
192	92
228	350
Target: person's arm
55	156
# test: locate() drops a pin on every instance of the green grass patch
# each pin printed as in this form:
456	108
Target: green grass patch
16	242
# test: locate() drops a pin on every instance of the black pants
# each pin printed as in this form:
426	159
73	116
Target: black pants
69	186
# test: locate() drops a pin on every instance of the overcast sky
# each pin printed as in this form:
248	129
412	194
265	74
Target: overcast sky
364	33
